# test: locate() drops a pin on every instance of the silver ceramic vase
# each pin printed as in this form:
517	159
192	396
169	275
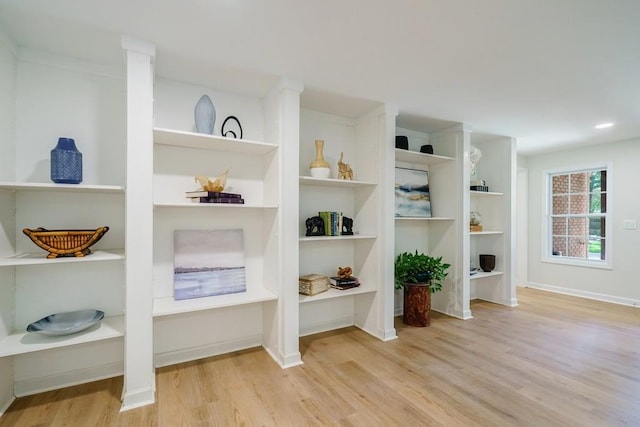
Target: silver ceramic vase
205	115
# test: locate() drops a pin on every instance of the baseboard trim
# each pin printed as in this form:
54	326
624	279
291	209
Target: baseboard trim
466	315
513	302
6	405
67	379
381	334
201	352
389	334
288	361
584	294
138	398
330	325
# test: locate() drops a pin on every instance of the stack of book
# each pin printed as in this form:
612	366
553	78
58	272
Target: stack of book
332	222
214	197
343	283
312	284
484	188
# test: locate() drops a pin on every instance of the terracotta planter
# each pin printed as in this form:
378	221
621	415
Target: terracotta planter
417	304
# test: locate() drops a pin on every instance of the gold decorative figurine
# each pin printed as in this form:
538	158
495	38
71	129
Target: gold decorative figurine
214	185
344	170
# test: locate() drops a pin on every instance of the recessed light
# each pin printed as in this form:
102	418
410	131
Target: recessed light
604	125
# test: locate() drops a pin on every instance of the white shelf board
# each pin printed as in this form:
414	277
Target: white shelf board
412	218
421	158
335	293
41	258
484	233
331	182
168	306
176	138
211	205
28	342
334	238
484	193
482	274
48	186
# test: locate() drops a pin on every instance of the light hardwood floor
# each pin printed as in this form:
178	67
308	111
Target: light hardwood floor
555	360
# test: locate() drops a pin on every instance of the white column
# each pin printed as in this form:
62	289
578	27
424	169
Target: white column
386	231
139	375
463	284
282	113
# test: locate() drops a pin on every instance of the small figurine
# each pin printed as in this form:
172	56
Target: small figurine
315	226
347	225
344	170
216	185
344	272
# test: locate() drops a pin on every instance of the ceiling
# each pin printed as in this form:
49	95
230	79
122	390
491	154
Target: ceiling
543	71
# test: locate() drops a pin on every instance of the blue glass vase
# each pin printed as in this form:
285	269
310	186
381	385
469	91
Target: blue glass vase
66	162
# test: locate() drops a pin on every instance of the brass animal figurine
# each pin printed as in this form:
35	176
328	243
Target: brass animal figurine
215	185
344	170
344	272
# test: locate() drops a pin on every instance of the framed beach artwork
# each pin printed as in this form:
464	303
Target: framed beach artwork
412	193
208	262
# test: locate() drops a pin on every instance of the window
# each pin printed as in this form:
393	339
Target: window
578	224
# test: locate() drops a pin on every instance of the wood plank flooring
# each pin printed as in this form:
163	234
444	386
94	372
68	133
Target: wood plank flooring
555	360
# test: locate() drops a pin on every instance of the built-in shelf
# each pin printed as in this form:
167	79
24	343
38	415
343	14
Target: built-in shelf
48	187
485	193
168	306
421	158
482	274
484	233
330	182
335	293
28	342
434	218
334	238
41	258
212	205
176	138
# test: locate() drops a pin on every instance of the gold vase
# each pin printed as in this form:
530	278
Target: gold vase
319	167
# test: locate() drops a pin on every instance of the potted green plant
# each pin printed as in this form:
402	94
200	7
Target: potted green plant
419	275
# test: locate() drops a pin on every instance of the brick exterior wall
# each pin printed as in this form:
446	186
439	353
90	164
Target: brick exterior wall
570	195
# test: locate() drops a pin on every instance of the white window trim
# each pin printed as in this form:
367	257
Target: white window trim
546	245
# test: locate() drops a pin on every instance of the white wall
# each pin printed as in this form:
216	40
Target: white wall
7	107
7	222
522	221
63	97
618	284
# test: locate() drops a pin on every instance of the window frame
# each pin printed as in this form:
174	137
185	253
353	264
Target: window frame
547	219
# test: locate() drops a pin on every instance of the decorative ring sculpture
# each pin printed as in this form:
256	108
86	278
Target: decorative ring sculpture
230	133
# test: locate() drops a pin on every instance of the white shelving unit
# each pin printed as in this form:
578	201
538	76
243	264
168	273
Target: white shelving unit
364	138
184	139
66	188
332	182
336	293
483	274
39	259
336	238
169	306
25	342
440	234
253	173
496	167
140	155
259	316
90	109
